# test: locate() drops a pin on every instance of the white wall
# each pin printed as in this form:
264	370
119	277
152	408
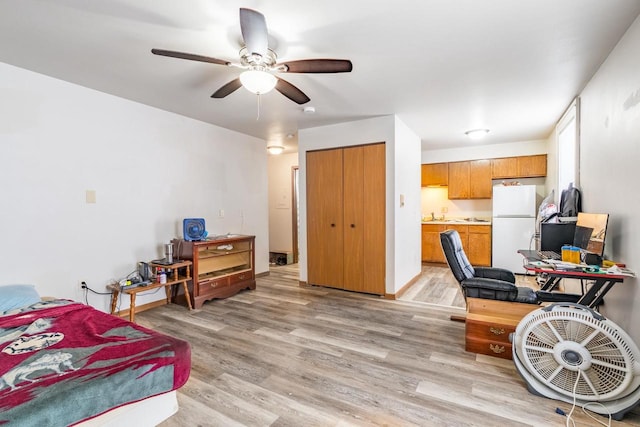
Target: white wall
609	173
281	202
381	129
407	238
149	169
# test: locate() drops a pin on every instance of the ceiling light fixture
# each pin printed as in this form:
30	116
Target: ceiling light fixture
258	81
275	149
477	133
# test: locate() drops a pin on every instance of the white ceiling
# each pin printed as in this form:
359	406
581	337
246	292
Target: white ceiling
443	67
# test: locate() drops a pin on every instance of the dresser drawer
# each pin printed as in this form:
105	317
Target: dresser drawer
208	285
492	331
488	347
239	277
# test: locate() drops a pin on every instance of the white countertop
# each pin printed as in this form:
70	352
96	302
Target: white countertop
460	221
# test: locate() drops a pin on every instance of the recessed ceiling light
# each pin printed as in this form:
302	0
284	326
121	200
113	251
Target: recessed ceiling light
477	133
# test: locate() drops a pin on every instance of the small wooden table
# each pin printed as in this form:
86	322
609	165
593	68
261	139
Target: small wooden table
174	278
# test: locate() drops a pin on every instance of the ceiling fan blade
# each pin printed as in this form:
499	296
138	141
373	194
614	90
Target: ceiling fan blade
190	56
291	92
228	89
318	66
254	31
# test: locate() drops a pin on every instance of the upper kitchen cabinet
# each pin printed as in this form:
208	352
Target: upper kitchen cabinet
470	179
519	167
435	175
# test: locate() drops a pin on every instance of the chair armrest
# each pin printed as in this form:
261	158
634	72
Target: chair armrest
545	296
495	273
479	287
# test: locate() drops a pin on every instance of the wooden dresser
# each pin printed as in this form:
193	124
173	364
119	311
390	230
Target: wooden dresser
221	267
489	323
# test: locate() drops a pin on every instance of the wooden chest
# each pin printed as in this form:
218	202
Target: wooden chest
489	323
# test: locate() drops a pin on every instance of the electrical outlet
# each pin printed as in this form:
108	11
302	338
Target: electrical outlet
83	285
221	213
444	209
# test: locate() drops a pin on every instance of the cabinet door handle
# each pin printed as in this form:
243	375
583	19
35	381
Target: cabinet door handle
353	226
333	225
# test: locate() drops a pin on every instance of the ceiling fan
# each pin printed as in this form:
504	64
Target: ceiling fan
260	62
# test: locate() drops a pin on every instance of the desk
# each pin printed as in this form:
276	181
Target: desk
602	283
174	278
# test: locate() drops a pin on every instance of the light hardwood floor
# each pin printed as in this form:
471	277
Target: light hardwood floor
436	285
285	355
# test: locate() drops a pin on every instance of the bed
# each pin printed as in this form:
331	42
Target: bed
66	363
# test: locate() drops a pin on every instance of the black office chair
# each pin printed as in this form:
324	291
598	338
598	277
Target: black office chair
488	282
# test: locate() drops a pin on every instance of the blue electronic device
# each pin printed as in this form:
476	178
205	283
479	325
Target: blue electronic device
194	229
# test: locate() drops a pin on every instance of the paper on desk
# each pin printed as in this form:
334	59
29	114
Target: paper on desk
619	270
563	265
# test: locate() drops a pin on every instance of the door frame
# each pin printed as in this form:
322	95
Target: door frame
295	222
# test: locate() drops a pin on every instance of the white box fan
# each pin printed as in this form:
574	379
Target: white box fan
566	351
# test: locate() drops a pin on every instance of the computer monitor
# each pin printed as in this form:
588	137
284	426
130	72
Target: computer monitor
553	235
598	222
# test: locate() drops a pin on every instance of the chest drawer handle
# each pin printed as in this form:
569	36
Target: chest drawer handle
497	348
496	331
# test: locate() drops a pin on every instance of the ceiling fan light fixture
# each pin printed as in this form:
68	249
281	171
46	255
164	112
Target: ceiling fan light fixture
257	81
476	134
275	149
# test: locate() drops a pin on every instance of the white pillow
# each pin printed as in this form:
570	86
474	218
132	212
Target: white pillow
16	296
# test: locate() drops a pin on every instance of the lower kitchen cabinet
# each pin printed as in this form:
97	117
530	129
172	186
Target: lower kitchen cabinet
431	248
479	245
476	242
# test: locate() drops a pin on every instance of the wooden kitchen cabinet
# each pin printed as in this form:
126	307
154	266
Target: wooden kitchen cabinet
532	166
431	247
470	179
519	167
504	168
476	242
479	245
435	174
346	218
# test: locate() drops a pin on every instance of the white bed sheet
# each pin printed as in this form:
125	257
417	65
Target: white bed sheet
147	412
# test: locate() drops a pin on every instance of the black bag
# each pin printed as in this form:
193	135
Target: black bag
570	202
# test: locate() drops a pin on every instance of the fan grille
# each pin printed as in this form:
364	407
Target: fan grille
572	349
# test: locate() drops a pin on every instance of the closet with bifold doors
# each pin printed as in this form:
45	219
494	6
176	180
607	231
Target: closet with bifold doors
346	218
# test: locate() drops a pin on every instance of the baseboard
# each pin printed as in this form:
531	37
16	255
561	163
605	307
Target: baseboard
263	274
403	289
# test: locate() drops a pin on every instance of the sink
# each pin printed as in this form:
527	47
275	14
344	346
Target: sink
476	220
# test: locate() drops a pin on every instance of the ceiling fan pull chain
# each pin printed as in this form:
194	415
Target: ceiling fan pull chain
258	116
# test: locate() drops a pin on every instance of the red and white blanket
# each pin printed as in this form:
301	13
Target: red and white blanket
63	362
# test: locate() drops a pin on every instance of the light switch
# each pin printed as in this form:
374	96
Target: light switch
90	196
401	200
221	213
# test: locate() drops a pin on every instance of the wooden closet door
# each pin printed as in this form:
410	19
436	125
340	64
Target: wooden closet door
325	218
354	183
374	219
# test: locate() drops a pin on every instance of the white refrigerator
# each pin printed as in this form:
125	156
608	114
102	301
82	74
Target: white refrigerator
513	225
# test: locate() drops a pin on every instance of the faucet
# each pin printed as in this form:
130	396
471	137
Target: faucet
433	216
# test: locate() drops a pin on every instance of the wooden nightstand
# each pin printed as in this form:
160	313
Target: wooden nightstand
180	273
